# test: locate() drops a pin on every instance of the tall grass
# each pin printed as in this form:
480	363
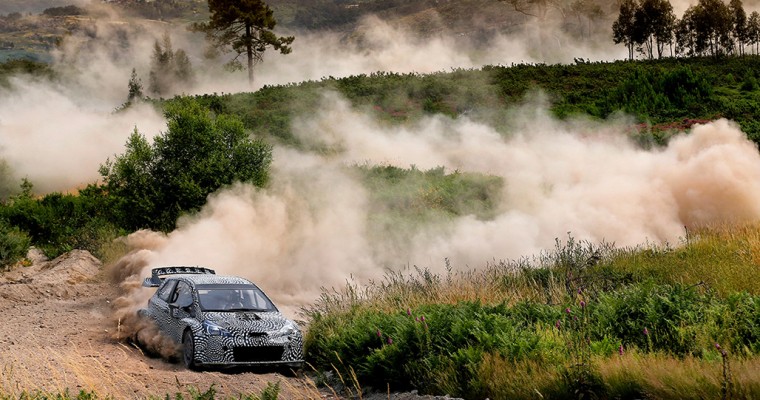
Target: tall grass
555	324
725	258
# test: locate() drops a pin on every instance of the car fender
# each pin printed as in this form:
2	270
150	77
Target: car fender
145	313
195	327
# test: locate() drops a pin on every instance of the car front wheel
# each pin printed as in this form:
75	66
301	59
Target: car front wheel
188	350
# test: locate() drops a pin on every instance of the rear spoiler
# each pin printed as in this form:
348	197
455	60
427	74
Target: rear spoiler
155	274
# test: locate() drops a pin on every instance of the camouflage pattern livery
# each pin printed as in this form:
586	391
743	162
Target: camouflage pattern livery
221	320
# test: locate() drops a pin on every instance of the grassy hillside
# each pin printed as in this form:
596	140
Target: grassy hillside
662	95
34	6
30	30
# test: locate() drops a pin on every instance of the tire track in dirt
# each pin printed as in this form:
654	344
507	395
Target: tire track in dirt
57	335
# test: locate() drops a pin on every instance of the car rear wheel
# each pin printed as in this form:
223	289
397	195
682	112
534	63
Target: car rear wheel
188	350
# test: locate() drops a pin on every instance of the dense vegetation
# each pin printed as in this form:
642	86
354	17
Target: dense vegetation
584	320
661	94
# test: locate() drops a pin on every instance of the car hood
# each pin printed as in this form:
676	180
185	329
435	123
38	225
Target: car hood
249	320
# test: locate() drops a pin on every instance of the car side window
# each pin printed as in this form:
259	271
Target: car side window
260	301
166	289
183	294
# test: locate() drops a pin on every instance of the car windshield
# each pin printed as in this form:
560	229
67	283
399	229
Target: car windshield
233	298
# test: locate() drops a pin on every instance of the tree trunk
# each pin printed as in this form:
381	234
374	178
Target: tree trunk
249	49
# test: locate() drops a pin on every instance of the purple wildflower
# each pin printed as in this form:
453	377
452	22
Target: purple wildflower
567	310
620	350
409	312
557	324
390	341
717	346
422	318
379	334
646	331
583	304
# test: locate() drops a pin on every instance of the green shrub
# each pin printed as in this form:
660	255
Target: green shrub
653	317
749	84
57	223
14	244
152	185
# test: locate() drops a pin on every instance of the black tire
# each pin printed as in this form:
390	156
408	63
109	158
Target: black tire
188	350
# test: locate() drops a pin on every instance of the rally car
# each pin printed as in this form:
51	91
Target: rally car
221	320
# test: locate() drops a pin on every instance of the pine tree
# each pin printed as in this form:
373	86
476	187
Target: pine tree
168	68
135	88
245	26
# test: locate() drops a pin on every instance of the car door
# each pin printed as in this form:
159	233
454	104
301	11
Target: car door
159	304
180	307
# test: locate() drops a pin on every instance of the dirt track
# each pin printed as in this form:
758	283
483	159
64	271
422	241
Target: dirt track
57	331
56	334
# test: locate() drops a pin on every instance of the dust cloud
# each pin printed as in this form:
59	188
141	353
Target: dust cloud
390	48
58	143
126	273
309	229
56	134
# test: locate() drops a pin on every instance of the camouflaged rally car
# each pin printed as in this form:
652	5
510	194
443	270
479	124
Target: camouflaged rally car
221	320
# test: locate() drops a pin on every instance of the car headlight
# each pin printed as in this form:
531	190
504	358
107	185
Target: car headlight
212	329
288	329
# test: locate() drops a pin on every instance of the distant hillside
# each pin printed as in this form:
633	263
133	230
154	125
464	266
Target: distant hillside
30	29
343	15
22	35
34	6
422	16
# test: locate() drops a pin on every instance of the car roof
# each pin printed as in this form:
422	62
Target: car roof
206	279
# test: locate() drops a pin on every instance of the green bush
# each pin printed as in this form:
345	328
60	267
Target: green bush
152	185
14	244
749	84
653	317
434	348
57	223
